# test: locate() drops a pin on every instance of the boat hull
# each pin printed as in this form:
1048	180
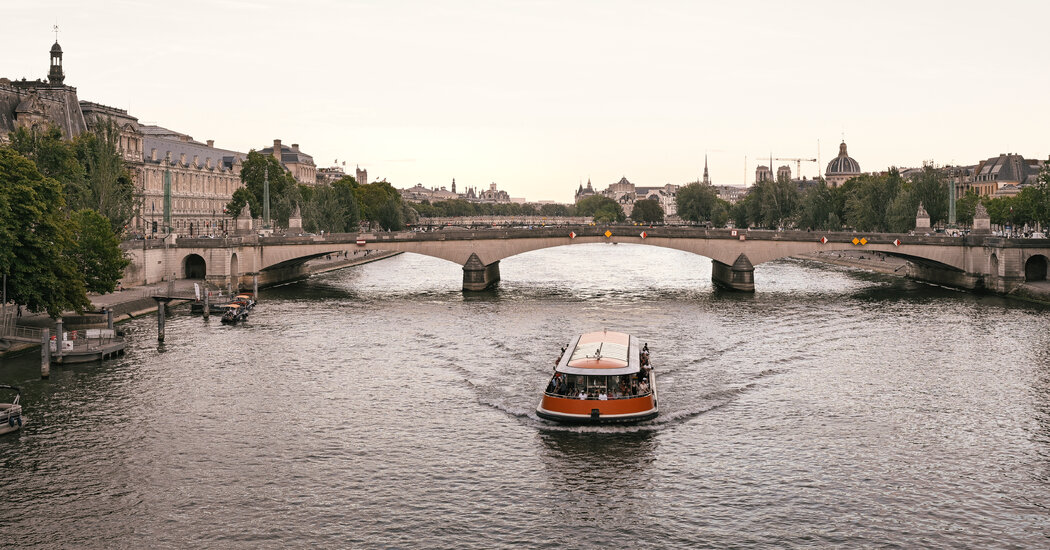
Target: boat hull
592	411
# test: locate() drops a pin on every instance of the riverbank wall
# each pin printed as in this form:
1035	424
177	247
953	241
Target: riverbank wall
1038	292
132	303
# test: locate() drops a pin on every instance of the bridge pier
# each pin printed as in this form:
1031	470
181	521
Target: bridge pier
478	276
739	276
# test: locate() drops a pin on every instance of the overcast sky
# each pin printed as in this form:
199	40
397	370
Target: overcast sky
538	96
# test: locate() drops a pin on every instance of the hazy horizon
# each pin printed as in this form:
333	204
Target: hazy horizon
541	96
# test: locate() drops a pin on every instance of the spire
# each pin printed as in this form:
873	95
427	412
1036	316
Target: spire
707	178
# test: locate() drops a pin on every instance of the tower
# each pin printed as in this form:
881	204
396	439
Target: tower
707	178
453	185
56	76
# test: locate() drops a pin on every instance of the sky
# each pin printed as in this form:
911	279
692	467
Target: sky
540	96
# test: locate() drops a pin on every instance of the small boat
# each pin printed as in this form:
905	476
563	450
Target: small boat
601	377
233	313
247	301
11	419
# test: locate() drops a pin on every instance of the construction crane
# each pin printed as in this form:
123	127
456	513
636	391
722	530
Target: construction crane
798	164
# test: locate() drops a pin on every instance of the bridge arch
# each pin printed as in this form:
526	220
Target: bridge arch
1035	268
194	267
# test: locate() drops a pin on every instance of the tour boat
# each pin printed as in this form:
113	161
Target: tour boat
11	413
234	314
601	377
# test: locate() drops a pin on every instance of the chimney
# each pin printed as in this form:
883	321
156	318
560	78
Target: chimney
153	154
211	143
295	147
277	149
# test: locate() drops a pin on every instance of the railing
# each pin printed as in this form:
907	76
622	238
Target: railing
27	334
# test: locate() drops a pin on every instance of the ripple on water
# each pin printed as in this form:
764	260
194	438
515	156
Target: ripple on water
381	407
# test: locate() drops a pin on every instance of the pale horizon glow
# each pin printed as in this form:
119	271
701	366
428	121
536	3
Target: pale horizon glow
540	96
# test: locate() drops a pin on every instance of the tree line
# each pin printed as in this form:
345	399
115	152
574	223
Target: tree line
336	207
885	202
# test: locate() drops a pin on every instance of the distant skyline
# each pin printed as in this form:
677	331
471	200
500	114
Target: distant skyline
539	96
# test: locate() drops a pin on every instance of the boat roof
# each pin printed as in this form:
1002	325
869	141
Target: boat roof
601	353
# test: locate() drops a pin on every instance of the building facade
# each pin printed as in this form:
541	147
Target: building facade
295	161
195	180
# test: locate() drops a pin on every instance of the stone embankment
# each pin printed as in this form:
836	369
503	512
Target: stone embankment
129	303
891	265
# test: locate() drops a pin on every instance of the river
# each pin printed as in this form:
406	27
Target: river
380	407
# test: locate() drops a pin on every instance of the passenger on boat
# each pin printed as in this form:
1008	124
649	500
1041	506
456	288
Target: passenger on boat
583	395
602	396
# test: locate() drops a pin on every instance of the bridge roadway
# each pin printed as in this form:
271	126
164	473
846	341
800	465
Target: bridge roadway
970	262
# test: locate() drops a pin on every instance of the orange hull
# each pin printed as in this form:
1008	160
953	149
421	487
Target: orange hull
593	410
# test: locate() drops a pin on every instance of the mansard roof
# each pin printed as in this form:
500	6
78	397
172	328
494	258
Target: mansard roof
289	155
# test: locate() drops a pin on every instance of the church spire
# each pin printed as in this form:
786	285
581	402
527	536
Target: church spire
707	178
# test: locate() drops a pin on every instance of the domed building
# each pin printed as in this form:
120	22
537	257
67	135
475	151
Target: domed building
841	168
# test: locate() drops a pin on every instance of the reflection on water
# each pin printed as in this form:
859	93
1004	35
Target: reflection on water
381	406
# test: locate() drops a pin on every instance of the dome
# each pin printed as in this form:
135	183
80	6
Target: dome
56	48
843	164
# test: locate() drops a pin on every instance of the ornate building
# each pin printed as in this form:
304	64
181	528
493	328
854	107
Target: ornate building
841	168
41	103
295	161
195	179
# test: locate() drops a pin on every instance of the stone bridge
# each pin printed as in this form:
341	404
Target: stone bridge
971	262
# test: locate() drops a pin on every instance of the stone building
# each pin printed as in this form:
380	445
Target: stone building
841	168
330	175
1007	169
41	103
196	178
202	178
295	161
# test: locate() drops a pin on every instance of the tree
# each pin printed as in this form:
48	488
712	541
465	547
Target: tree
930	187
257	171
35	240
817	209
380	203
869	199
54	157
601	208
774	203
966	207
648	211
695	202
96	251
107	188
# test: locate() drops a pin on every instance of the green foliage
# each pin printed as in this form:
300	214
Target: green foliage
557	210
331	208
601	208
817	209
107	188
54	157
96	251
772	203
966	207
931	189
380	204
36	240
696	202
256	171
870	196
647	211
455	208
